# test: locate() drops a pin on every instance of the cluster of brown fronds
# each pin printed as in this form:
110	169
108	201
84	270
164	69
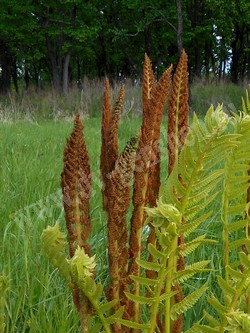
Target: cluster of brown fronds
139	160
76	189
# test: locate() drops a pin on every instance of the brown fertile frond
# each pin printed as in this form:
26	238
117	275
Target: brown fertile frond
118	204
76	189
177	130
157	102
112	135
106	115
178	111
152	116
148	80
153	185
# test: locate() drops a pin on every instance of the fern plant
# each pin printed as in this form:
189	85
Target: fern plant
233	310
190	188
207	161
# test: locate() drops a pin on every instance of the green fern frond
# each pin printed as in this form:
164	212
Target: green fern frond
54	244
195	210
225	286
245	260
235	187
203	329
154	251
143	280
238	243
187	228
192	245
134	325
140	299
210	319
78	271
221	309
116	316
187	302
108	305
233	273
148	265
246	104
194	179
191	270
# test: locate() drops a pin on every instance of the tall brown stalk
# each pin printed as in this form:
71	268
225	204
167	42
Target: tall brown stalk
116	173
104	167
141	158
154	99
76	188
118	204
178	111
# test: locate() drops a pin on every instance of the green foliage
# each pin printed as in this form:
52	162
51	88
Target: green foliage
21	241
233	312
54	243
211	164
111	38
4	286
79	270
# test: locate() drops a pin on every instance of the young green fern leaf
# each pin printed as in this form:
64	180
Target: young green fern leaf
236	184
234	314
191	186
78	270
234	309
54	244
162	290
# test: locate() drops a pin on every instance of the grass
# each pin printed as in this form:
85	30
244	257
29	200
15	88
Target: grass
31	199
33	106
31	151
202	96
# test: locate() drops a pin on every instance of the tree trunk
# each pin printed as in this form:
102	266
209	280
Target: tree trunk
26	77
66	73
37	77
5	65
237	53
207	57
55	62
14	75
180	26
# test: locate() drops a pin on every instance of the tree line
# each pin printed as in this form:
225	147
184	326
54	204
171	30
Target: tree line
59	42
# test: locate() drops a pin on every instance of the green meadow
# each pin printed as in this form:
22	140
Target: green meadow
30	196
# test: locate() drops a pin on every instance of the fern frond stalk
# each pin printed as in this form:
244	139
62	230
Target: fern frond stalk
178	111
154	99
118	204
76	188
104	167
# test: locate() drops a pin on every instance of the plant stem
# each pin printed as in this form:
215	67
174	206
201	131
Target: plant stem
83	313
169	278
157	293
235	299
226	233
99	314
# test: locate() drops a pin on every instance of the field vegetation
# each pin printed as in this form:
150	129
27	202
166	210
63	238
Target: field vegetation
33	133
56	59
49	106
